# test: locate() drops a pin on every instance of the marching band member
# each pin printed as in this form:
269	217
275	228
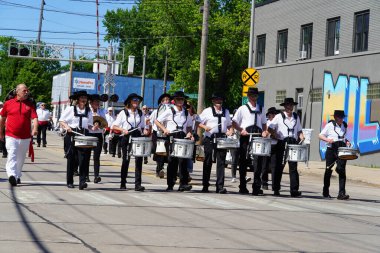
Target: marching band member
269	161
131	122
163	104
216	122
98	133
146	114
77	118
176	123
334	134
196	120
110	117
44	118
249	119
286	128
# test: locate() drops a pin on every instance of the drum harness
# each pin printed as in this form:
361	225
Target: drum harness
179	129
219	134
253	129
132	131
288	140
337	144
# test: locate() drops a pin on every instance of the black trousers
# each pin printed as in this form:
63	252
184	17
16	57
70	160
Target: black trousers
126	147
76	157
279	168
331	157
245	161
268	163
97	151
220	155
115	143
105	143
235	161
42	130
160	160
176	165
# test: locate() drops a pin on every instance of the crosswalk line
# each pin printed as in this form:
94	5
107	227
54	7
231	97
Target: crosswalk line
95	198
212	201
265	203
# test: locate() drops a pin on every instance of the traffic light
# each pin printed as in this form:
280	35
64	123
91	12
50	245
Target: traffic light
24	51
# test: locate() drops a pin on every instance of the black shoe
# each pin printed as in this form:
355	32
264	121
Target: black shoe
185	187
105	152
169	189
276	193
38	145
343	197
205	189
189	179
4	156
145	161
70	186
18	181
326	195
12	180
44	145
97	180
113	155
243	191
76	173
82	186
123	186
265	187
88	179
140	188
161	174
119	155
295	194
257	193
221	191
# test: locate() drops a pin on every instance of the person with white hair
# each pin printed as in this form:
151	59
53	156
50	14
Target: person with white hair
110	117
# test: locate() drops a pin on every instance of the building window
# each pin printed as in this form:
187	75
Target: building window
316	95
306	39
333	34
282	46
280	96
361	31
260	50
300	100
373	91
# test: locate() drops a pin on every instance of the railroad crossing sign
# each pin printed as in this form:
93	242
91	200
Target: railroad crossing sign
250	77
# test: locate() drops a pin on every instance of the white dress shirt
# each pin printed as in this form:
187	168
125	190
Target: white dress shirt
281	127
272	141
166	118
73	121
133	121
43	114
244	118
153	116
331	132
110	119
208	119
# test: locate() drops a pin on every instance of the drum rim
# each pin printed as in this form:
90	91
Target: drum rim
86	138
183	141
141	139
347	149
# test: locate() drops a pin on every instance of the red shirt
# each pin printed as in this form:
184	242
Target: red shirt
19	115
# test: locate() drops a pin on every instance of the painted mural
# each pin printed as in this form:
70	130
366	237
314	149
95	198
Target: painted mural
349	93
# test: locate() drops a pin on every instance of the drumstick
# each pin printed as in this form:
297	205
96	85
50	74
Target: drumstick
77	133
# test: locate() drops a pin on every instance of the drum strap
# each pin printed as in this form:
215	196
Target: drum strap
255	111
289	129
219	116
80	115
127	116
186	114
345	129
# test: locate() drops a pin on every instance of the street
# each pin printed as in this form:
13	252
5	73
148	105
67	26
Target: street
43	215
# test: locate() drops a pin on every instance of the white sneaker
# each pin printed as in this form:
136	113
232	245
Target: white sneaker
233	180
247	179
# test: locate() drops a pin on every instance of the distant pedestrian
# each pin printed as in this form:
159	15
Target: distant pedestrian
16	116
44	118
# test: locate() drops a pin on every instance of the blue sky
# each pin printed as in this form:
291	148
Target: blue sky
24	15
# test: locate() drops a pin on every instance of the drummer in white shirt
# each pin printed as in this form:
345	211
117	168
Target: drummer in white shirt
110	117
216	122
250	119
44	116
176	123
286	128
131	122
334	133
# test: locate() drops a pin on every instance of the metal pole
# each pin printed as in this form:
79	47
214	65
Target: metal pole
166	70
143	77
203	60
40	24
107	77
251	34
71	70
97	46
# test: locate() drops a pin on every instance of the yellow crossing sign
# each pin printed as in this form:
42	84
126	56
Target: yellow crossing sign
250	77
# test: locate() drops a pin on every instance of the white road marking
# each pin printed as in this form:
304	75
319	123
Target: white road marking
95	198
212	201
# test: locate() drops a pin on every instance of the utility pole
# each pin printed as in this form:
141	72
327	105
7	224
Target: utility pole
72	55
97	46
41	18
166	70
143	77
203	60
251	38
108	80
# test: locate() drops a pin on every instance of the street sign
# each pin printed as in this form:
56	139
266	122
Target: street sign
250	77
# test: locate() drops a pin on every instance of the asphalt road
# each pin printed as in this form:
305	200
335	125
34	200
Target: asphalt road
43	215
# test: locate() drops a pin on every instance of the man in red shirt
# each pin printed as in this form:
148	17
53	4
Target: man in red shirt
16	116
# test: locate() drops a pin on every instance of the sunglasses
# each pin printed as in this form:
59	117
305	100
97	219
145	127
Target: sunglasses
135	99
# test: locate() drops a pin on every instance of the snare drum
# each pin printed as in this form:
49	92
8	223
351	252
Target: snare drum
183	148
346	153
227	143
260	146
297	153
200	153
141	147
85	141
160	147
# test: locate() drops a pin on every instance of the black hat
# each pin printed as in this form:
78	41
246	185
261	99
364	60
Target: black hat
132	95
165	95
179	94
217	95
78	94
272	110
288	101
253	91
339	113
94	97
